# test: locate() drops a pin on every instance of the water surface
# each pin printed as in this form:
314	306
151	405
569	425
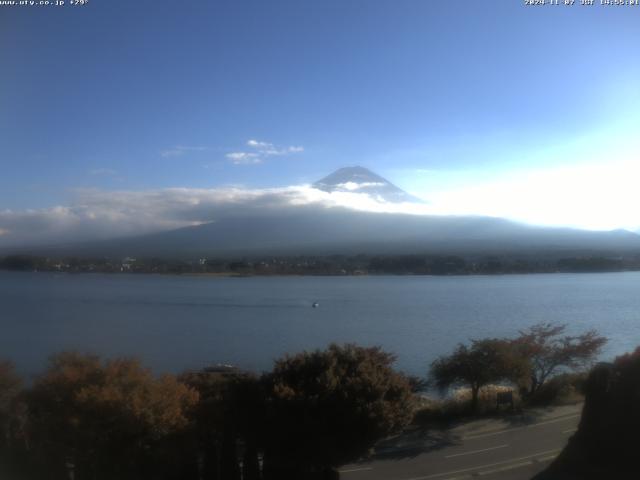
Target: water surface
178	322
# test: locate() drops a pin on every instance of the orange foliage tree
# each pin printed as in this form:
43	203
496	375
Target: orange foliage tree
103	419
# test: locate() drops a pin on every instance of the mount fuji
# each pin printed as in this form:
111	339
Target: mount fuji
362	180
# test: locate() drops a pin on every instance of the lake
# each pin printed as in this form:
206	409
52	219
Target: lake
178	322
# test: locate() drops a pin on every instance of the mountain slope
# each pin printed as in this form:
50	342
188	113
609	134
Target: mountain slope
308	230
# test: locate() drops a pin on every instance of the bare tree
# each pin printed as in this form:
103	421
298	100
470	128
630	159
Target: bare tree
548	351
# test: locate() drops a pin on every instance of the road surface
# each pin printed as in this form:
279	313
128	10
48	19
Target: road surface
508	451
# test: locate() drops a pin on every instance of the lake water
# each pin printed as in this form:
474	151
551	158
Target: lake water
178	322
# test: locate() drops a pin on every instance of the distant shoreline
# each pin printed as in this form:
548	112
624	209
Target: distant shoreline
339	265
332	275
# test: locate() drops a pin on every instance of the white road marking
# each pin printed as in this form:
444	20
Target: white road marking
355	470
507	468
507	430
547	458
556	420
571	430
480	467
476	451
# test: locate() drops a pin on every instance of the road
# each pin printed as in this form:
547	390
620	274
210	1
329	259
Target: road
515	451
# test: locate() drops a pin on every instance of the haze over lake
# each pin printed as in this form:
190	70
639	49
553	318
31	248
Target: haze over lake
178	322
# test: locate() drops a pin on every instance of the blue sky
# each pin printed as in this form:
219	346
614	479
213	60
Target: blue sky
440	97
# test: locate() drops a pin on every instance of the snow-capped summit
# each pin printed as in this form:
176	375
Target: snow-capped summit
361	180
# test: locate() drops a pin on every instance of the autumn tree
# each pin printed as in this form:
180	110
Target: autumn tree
104	419
229	413
329	407
549	351
483	362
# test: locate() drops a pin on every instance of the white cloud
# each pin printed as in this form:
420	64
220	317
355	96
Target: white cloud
244	158
259	151
180	150
257	144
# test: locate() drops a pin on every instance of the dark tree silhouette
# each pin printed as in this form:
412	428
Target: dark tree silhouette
606	442
11	419
10	387
328	407
230	413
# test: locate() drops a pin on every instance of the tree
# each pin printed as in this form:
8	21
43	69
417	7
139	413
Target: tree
548	351
329	407
103	419
606	442
11	419
229	413
10	387
484	362
22	262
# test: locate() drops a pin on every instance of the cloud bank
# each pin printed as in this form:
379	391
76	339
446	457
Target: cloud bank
599	196
100	214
